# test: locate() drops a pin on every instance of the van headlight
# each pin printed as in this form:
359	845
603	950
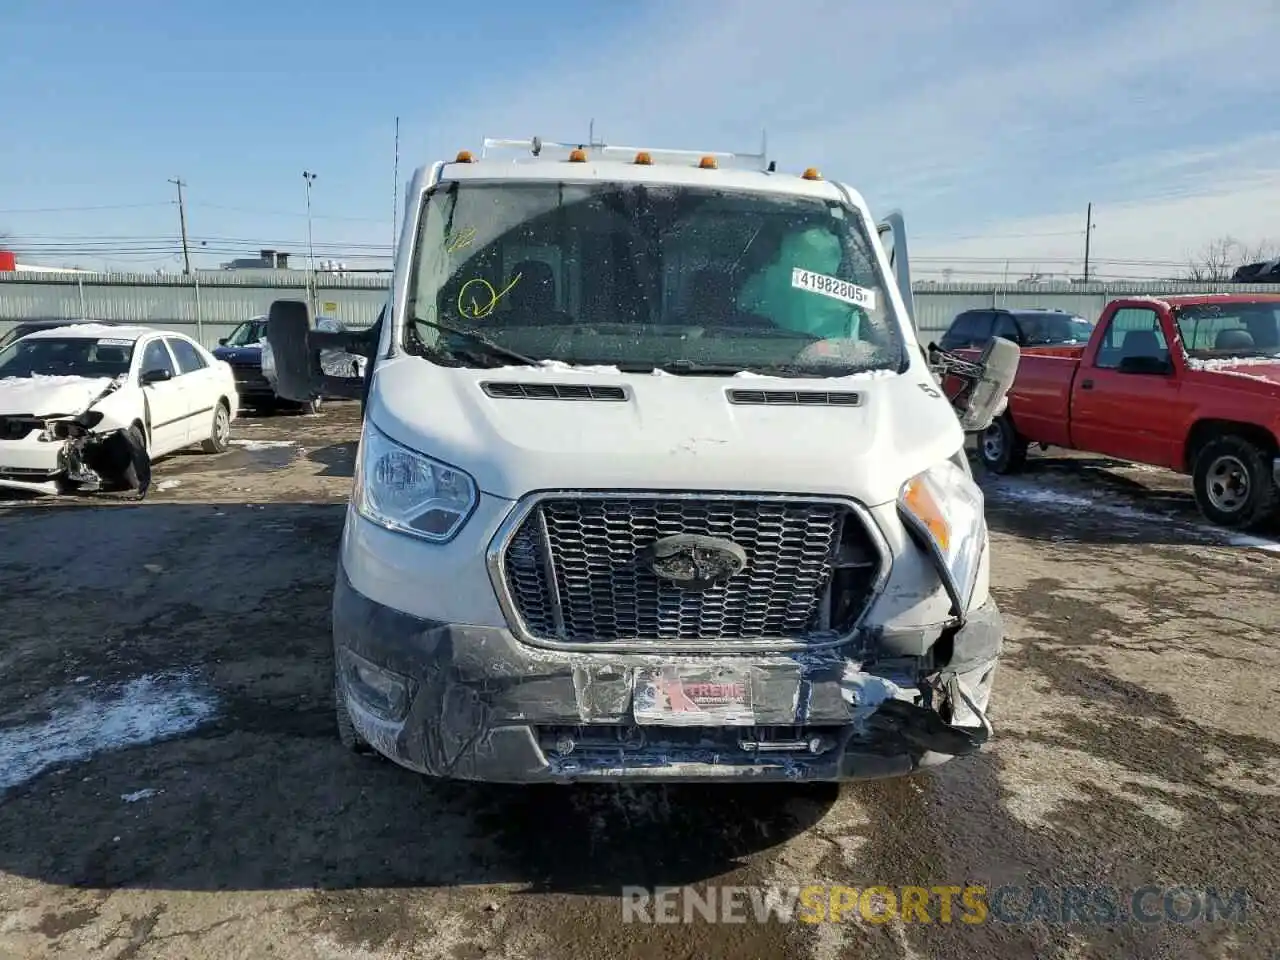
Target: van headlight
943	508
404	491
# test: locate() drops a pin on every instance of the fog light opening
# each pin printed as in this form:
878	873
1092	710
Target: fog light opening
380	691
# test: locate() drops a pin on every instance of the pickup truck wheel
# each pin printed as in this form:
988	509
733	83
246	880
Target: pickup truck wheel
1000	448
1233	482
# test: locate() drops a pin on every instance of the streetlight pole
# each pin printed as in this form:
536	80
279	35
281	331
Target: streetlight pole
311	254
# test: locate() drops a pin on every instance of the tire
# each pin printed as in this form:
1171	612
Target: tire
347	735
1000	448
1233	483
137	475
220	431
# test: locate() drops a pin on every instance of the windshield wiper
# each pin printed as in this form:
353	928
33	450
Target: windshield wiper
487	346
698	368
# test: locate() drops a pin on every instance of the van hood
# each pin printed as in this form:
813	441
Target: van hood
669	433
43	396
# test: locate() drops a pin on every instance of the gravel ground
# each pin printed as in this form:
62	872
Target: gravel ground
171	785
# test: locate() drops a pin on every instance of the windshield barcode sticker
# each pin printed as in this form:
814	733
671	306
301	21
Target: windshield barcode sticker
833	287
108	342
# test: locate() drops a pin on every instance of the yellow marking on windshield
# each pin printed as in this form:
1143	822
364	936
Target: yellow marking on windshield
478	311
460	240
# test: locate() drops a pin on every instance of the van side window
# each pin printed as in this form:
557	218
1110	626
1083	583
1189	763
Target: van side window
1132	332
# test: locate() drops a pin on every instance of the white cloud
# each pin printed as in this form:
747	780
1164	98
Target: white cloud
997	120
1181	202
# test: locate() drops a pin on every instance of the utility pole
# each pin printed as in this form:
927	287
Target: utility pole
182	221
311	253
1088	233
395	193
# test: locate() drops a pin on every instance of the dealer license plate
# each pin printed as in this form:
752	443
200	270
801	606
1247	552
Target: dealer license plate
693	697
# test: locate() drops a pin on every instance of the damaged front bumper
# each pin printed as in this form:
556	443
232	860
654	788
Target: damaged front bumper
474	703
78	461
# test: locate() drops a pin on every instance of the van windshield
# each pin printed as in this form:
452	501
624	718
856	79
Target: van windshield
645	277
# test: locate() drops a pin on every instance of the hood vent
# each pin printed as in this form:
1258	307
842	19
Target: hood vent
554	391
795	398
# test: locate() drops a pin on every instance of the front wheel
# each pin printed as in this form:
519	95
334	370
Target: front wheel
1233	482
1000	448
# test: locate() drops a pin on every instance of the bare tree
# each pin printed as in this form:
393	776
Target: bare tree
1220	259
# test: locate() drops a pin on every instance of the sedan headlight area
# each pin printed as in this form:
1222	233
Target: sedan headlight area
943	508
404	491
71	428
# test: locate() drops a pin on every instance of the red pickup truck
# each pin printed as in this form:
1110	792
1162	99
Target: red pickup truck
1191	383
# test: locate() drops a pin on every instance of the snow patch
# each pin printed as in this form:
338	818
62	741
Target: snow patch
168	484
1258	543
263	444
137	795
1058	499
144	710
560	366
1218	363
90	331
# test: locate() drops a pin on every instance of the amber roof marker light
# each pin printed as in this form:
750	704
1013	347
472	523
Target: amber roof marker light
708	163
578	156
644	158
464	156
811	174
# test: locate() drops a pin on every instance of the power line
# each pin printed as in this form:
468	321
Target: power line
284	213
114	206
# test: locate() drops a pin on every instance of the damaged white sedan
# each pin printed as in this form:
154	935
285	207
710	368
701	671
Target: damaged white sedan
88	407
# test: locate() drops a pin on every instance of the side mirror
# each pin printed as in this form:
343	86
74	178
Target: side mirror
158	375
222	341
301	355
1151	366
989	393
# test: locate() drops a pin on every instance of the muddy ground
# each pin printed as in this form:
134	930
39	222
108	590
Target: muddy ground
1136	745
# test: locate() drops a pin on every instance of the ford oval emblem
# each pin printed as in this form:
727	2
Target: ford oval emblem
694	562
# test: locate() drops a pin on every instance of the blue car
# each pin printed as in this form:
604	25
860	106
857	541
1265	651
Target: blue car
243	351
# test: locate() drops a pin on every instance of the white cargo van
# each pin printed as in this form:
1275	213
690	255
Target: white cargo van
655	482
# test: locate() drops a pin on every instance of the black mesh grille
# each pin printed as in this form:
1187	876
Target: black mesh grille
585	553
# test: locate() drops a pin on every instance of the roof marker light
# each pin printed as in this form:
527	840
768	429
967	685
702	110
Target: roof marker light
464	156
811	174
707	163
644	159
578	156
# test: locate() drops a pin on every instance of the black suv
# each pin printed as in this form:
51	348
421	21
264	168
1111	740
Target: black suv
1025	326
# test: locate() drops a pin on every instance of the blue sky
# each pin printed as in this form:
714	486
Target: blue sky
992	123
